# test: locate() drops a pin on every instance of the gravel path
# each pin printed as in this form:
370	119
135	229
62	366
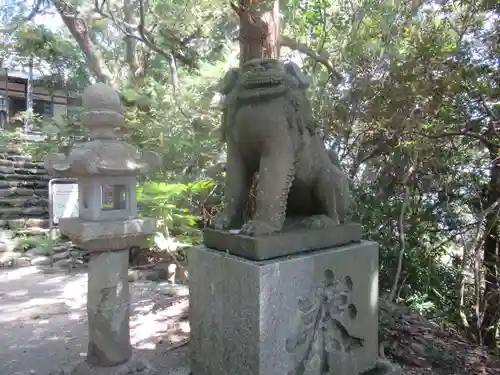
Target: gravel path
43	323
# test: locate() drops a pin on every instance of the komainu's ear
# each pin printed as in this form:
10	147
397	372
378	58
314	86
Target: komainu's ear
294	70
228	82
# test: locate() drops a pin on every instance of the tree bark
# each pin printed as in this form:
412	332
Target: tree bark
259	29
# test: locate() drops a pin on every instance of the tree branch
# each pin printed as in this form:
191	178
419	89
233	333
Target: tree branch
402	240
175	85
321	58
139	31
477	136
130	43
402	236
80	32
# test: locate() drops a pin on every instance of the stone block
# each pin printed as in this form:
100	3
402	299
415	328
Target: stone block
312	313
41	261
296	240
109	235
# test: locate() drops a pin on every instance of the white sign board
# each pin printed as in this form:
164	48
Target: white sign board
64	201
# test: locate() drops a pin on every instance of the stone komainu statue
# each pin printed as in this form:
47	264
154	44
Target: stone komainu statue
268	125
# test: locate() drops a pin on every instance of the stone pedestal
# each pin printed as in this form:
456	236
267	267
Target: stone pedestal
314	313
108	309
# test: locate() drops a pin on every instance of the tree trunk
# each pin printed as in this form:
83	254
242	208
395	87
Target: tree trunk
259	29
80	32
491	298
130	43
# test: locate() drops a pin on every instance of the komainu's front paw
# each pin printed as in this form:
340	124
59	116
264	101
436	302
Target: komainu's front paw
222	222
258	228
319	222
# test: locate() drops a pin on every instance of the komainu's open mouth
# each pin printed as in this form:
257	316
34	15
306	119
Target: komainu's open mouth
253	79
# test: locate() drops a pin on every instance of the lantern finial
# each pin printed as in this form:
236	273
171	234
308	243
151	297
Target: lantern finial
103	111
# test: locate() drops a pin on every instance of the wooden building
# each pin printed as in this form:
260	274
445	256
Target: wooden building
18	93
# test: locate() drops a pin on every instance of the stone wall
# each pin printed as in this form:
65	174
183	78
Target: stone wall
23	190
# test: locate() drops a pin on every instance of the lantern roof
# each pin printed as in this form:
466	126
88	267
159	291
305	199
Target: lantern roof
104	154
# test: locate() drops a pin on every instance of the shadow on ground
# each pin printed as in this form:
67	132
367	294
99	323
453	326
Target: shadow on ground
43	323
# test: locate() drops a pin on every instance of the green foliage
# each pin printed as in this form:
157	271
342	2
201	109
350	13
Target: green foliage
180	125
8	137
175	206
420	303
44	244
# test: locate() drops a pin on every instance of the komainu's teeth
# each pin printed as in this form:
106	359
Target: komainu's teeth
262	81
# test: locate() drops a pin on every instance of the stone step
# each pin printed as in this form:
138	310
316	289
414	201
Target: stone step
21	164
22	171
18	192
21	212
24	177
17	157
42	193
25	201
30	232
4	149
48	261
20	223
34	184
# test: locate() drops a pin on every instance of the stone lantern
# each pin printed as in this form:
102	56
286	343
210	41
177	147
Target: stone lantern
106	169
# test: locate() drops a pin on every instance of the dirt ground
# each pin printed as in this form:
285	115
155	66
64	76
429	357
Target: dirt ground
43	322
43	327
422	347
